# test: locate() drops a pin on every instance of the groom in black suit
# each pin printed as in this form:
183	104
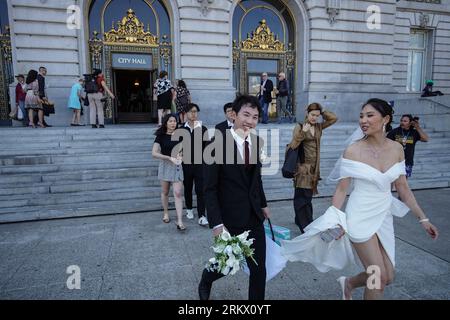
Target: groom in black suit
234	193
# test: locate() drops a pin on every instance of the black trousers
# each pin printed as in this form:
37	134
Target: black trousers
257	284
193	175
303	208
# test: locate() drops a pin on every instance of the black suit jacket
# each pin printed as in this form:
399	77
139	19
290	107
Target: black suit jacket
232	196
222	126
268	92
41	82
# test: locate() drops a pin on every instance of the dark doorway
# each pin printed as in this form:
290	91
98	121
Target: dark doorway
134	96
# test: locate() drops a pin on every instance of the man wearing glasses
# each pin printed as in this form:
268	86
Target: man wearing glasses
282	97
265	96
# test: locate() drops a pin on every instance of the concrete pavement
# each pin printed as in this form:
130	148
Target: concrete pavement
137	256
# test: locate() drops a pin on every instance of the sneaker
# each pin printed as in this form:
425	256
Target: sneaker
203	221
190	214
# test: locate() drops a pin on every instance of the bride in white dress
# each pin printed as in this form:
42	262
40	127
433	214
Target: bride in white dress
370	165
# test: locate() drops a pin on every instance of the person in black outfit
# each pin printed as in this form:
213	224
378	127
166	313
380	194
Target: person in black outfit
193	163
265	96
234	194
229	115
42	93
428	90
282	97
407	135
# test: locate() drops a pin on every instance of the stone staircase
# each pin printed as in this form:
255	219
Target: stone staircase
73	172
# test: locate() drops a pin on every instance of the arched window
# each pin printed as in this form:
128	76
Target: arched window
263	41
104	15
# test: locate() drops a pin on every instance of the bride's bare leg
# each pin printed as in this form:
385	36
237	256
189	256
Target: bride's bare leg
370	254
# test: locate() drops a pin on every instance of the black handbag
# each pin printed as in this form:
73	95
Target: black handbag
49	108
291	159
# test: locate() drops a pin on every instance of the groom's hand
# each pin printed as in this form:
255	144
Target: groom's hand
217	231
266	212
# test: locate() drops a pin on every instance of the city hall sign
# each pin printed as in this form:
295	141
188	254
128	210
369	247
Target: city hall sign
132	61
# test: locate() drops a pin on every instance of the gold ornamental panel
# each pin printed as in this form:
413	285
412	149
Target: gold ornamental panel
263	39
131	31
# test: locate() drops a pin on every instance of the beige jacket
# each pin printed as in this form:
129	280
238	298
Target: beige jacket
308	173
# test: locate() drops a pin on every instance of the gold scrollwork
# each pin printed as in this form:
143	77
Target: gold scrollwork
236	53
290	57
262	39
131	31
6	75
165	51
96	49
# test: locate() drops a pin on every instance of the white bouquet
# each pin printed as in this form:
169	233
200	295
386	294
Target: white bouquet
230	253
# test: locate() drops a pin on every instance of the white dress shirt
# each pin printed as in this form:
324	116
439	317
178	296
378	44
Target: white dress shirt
240	143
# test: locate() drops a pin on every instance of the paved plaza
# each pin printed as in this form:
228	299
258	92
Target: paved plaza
136	256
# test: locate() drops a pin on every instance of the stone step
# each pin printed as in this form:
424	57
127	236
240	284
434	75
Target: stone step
149	168
145	205
10	202
38	139
27	169
79	158
81	210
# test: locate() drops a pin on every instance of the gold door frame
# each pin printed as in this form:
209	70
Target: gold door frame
129	37
6	74
263	44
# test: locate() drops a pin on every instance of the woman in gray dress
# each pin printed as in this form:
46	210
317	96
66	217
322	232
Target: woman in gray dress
170	170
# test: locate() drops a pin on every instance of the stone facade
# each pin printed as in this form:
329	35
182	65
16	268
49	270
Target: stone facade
339	64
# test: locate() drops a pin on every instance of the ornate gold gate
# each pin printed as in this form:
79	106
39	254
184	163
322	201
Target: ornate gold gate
262	44
129	37
6	74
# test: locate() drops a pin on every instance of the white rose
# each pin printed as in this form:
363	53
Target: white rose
226	236
228	250
243	236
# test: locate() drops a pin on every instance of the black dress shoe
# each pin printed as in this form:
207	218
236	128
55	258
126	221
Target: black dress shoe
204	290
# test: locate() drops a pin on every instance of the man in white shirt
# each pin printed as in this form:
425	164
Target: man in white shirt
234	193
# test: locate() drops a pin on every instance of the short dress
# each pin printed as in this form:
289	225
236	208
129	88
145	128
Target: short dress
74	99
32	96
164	93
167	171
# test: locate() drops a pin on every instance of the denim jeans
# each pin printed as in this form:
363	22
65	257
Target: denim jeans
24	112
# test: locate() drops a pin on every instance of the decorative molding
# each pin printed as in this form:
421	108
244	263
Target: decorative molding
165	51
424	19
6	73
131	31
333	9
204	6
96	49
262	39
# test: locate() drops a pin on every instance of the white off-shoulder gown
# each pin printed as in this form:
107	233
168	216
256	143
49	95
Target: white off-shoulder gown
370	210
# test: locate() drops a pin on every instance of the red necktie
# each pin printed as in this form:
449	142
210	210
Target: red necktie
246	153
